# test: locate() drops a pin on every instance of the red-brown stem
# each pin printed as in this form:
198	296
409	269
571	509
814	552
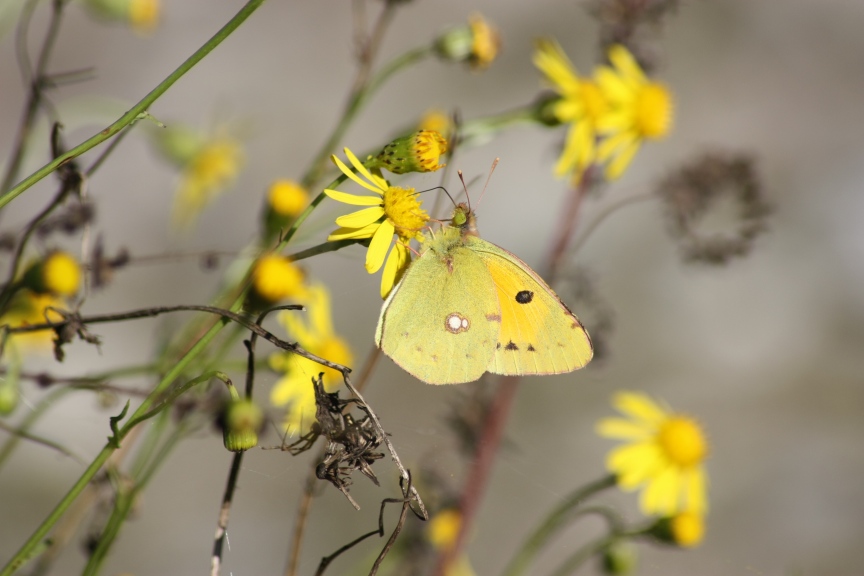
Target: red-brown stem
567	227
475	485
493	427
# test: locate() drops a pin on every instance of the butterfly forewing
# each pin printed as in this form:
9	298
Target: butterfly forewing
539	334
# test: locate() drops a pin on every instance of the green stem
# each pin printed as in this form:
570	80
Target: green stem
139	109
25	551
552	524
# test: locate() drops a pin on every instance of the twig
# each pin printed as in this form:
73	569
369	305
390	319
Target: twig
302	517
406	505
404	473
36	82
43	441
234	473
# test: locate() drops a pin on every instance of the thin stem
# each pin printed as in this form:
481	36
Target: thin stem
37	83
139	109
21	433
575	561
29	420
302	516
605	213
224	511
557	519
567	228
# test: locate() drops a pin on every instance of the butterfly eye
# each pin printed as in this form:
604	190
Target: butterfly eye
524	296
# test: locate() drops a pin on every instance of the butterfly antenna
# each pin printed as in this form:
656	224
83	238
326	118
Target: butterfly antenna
489	177
464	187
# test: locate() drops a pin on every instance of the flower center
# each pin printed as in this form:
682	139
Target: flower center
682	441
653	110
403	210
593	99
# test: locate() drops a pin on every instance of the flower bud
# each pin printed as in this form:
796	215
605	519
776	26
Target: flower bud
417	152
241	420
58	274
619	558
685	529
477	43
286	200
141	15
274	279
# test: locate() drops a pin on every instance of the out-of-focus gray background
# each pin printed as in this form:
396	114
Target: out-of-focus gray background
766	353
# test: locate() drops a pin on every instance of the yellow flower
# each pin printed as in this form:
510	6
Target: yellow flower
485	44
442	532
317	336
664	455
58	273
581	104
437	121
211	169
26	309
287	198
478	43
688	529
276	278
393	210
641	109
144	15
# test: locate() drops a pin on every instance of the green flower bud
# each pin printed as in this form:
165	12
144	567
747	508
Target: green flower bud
477	43
241	420
619	558
179	144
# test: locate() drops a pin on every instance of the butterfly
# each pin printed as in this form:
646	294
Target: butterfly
466	306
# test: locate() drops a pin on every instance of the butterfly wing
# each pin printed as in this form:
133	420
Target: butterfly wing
441	322
539	334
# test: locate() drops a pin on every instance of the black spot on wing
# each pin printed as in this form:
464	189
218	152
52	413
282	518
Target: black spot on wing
511	346
531	348
524	296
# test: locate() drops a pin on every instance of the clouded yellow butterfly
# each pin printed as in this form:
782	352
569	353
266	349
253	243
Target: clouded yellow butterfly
466	307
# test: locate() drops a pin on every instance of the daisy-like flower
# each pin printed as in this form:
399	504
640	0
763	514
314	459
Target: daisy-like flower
581	104
664	455
641	109
392	210
295	389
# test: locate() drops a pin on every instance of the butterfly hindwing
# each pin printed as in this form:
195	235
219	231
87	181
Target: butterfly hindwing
441	321
539	334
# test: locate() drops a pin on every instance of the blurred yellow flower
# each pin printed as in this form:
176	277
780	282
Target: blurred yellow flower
276	278
144	15
393	210
26	309
212	168
476	43
58	273
287	198
640	109
581	104
441	532
664	455
688	529
295	388
437	121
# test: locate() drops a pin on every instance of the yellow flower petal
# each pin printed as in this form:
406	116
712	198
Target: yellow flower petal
661	495
350	174
353	199
621	429
626	64
394	268
353	233
617	166
377	180
360	218
639	406
378	247
695	485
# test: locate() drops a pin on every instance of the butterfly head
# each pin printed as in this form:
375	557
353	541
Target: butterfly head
464	219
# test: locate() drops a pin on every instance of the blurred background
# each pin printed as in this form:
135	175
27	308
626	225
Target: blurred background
766	352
